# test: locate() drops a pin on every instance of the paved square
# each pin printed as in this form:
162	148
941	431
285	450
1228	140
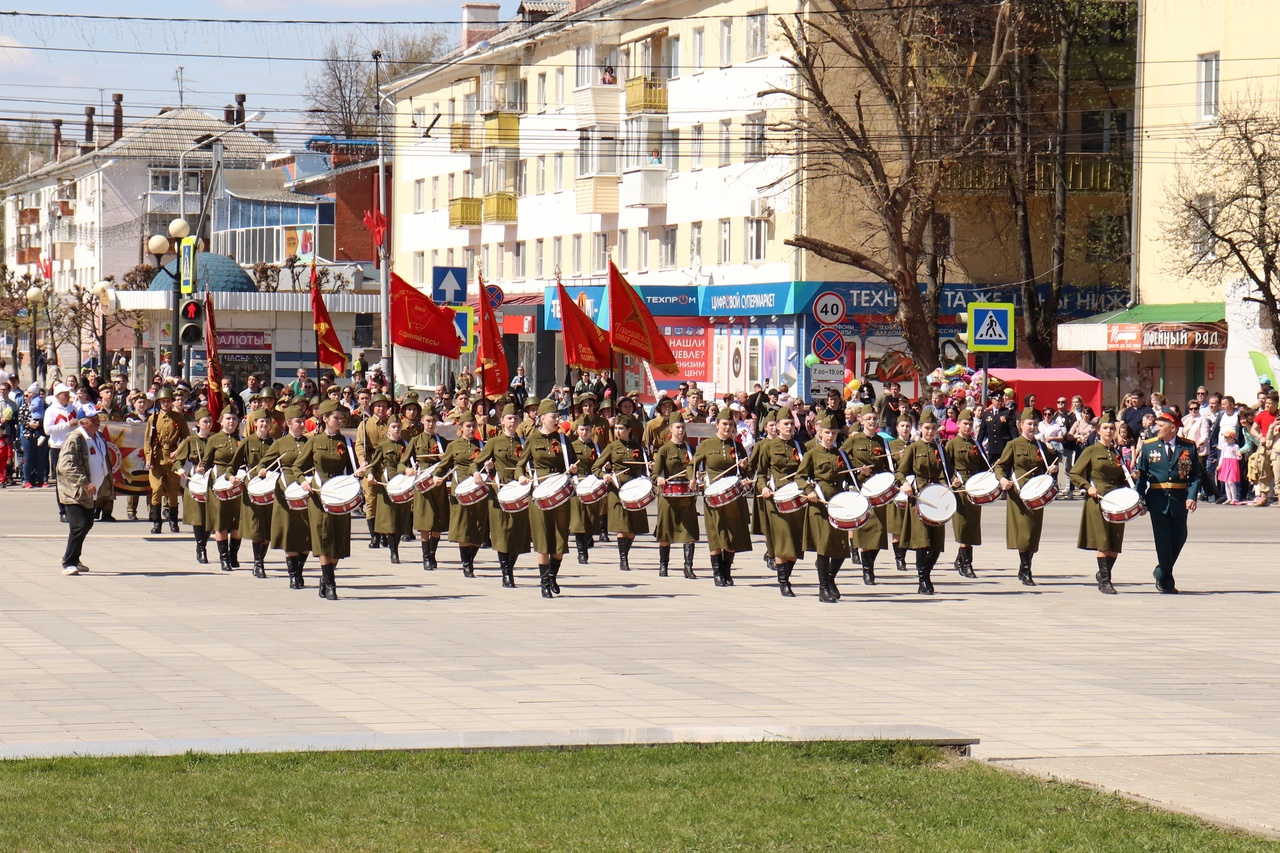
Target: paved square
151	651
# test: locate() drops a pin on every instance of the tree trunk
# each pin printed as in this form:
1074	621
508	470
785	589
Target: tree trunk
1041	343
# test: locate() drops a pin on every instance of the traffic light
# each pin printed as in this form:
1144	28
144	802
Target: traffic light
191	321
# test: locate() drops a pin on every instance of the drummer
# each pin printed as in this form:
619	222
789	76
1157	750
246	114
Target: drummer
1100	471
1023	458
602	433
776	465
584	518
222	457
290	528
923	460
868	451
895	515
964	458
677	515
623	460
468	523
728	527
255	519
509	531
430	508
547	454
823	474
190	450
371	432
769	425
392	520
328	455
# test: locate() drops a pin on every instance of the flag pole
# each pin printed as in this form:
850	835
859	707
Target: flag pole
315	333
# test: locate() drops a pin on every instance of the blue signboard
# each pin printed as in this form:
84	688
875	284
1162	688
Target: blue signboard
662	300
746	299
877	297
449	285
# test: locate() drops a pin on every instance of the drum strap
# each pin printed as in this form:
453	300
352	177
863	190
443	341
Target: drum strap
983	454
799	448
848	467
888	454
942	457
1043	457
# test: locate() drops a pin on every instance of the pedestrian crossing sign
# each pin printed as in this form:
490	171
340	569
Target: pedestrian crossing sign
990	327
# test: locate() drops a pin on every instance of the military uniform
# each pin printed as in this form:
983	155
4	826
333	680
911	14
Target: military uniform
546	456
728	527
1023	459
369	435
508	531
330	457
164	432
584	519
190	451
824	473
468	525
255	519
1164	475
895	515
223	455
777	462
924	461
290	528
677	516
625	460
430	508
865	451
392	520
964	459
1099	466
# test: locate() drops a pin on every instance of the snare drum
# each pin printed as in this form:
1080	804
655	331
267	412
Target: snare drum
848	511
297	497
468	491
900	497
225	490
591	489
724	491
425	481
935	504
1121	505
553	491
341	495
262	490
514	496
1039	491
982	488
400	488
788	498
637	494
199	486
879	489
680	489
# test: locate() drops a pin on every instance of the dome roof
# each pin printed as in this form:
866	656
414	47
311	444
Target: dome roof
217	273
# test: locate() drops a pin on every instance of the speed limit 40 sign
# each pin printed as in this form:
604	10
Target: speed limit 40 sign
828	308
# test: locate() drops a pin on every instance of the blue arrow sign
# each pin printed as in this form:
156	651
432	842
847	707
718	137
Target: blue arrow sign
449	285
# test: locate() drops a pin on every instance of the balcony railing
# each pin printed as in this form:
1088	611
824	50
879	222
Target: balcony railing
644	187
1098	173
500	207
463	136
646	95
29	216
594	105
502	130
29	255
66	207
465	212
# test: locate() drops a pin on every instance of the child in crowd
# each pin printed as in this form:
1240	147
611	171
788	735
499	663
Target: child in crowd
1229	466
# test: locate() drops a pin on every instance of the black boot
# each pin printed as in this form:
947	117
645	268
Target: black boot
716	574
202	540
770	563
508	572
544	578
155	519
784	579
581	540
1104	576
393	545
923	570
374	539
664	560
833	569
468	553
426	556
555	574
1024	568
688	561
328	584
726	567
172	514
624	548
295	571
233	552
432	546
966	566
224	558
604	529
259	559
822	564
868	567
900	557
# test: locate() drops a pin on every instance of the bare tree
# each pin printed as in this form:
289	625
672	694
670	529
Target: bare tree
1222	216
890	96
343	92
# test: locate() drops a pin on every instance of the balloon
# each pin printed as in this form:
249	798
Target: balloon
810	360
848	374
853	384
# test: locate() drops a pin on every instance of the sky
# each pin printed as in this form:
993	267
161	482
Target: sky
54	67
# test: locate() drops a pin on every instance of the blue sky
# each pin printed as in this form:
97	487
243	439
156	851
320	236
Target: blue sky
39	77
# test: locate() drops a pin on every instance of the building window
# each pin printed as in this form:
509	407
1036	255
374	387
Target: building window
419	268
598	150
435	258
559	87
584	66
500	258
699	39
577	254
557	255
435	192
757	238
621	253
540	174
667	247
522	183
452	187
642	251
601	253
542	92
1104	239
162	181
1103	130
469	260
754	127
646	137
757	35
538	247
448	257
695	146
484	254
558	171
671	150
419	195
726	42
1207	85
671	56
695	243
468	184
725	243
726	142
517	261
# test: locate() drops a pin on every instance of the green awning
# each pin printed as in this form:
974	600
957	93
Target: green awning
1177	312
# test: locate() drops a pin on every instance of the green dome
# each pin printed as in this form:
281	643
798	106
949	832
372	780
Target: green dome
217	273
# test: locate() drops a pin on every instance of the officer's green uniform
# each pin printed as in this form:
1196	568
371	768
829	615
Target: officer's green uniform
371	432
411	421
509	531
391	519
823	474
163	433
467	524
255	519
190	450
777	464
895	516
430	509
756	504
1163	478
923	460
677	517
964	459
330	456
1099	466
223	454
1020	461
584	519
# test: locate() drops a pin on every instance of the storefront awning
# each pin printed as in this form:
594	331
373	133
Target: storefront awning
1186	326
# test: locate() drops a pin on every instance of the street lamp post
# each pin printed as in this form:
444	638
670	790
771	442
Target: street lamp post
105	295
35	298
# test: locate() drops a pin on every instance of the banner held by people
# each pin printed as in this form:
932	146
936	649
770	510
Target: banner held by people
419	324
586	345
632	328
329	351
495	376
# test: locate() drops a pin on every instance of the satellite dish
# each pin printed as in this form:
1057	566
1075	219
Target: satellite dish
695	264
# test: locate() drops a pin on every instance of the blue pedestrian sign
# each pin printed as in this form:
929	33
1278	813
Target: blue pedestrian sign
990	327
449	285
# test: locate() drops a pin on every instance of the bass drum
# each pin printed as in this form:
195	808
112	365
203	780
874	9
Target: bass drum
935	504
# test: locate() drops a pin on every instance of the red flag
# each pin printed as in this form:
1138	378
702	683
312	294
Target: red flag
632	328
585	344
419	324
377	225
329	351
489	354
211	358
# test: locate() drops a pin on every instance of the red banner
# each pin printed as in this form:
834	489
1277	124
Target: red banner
585	344
489	354
632	328
329	351
419	324
211	357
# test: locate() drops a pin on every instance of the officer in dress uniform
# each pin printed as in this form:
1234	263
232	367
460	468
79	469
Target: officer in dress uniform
468	523
223	456
546	454
895	515
165	430
371	433
1023	458
777	463
868	451
728	526
430	508
824	473
770	427
923	460
509	531
394	520
623	460
964	459
584	518
255	519
677	516
1167	465
190	451
290	528
1099	470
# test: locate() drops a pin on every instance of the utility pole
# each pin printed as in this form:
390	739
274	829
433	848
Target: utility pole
384	272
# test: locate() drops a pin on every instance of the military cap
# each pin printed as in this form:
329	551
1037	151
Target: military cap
966	415
1107	418
532	402
260	415
725	414
379	398
783	414
666	400
928	417
584	397
606	403
1167	418
547	407
828	422
429	410
580	423
411	399
295	411
267	393
315	401
466	418
202	413
1029	414
622	421
675	418
510	409
328	407
770	417
165	393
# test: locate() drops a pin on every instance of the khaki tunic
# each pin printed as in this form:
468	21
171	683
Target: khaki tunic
895	516
867	451
544	455
728	528
1023	459
223	454
290	528
385	463
430	509
625	461
585	518
330	456
1098	466
964	459
755	505
677	517
410	429
255	519
509	531
467	524
191	449
923	461
369	436
164	432
823	472
776	464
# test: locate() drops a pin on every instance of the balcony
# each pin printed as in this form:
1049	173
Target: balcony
65	207
646	95
64	251
29	216
1088	173
598	105
597	194
465	212
29	255
645	186
502	130
464	136
500	207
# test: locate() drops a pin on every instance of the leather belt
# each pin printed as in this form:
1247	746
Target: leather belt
1166	485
